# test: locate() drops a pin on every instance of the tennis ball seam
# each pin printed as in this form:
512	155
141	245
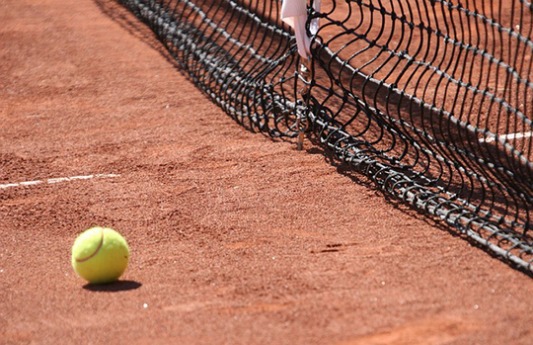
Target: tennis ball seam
100	244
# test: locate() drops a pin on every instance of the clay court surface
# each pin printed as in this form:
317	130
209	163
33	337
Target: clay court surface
235	238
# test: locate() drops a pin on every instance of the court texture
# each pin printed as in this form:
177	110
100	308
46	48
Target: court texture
236	235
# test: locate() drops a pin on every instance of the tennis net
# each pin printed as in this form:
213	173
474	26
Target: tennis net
430	99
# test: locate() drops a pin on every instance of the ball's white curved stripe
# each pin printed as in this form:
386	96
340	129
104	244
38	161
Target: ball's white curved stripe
93	254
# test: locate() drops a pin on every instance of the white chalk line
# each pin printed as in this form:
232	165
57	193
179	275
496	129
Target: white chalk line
504	137
56	180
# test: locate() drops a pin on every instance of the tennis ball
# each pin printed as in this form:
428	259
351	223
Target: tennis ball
100	255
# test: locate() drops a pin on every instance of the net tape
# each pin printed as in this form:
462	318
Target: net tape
431	99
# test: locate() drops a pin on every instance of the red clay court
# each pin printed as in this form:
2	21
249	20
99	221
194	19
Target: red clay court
236	238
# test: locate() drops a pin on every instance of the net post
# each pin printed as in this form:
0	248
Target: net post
301	116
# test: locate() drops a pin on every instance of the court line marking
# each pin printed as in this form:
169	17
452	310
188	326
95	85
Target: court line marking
56	180
502	138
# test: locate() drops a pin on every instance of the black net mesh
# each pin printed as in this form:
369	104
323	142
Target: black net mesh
238	52
431	99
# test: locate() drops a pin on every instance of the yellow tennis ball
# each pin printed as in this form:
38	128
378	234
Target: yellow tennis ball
100	255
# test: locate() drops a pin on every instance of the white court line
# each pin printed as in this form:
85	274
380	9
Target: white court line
502	138
56	180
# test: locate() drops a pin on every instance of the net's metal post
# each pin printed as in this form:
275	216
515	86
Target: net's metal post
301	116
